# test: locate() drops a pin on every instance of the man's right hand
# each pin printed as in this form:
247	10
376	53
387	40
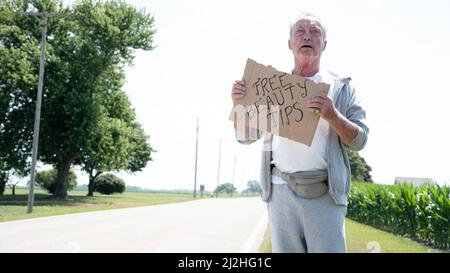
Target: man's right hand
238	91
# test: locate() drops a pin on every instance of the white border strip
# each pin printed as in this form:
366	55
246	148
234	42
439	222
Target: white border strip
256	237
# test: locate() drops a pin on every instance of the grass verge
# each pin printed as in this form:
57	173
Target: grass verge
15	207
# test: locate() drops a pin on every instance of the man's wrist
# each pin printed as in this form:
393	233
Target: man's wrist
335	118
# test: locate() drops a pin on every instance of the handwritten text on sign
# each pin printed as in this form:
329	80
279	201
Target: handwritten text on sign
276	103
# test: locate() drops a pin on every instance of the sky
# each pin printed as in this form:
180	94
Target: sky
394	51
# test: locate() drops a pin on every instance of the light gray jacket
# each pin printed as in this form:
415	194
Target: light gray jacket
339	173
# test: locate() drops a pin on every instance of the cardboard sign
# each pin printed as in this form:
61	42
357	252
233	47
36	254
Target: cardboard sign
275	102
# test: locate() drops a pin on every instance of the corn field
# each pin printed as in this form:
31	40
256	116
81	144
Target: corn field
421	213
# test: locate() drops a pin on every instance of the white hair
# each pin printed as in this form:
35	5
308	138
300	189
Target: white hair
309	16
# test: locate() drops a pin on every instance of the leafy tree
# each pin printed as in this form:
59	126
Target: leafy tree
118	142
6	173
359	167
12	184
18	80
108	184
225	188
47	180
253	187
13	156
86	52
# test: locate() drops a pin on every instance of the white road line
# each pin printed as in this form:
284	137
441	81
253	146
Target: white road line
255	239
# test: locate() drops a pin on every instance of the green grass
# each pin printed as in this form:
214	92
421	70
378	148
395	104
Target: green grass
15	207
362	238
266	245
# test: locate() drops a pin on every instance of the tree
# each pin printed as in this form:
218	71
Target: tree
359	168
84	53
6	174
13	185
118	143
16	95
225	188
47	180
108	184
253	187
14	151
19	58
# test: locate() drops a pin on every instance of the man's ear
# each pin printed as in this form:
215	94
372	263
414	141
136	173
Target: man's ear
289	44
324	45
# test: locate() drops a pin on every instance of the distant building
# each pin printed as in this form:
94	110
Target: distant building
415	181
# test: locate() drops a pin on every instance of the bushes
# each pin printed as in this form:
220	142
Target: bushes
46	179
421	213
104	184
108	184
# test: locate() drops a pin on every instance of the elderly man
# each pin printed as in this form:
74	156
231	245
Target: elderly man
306	188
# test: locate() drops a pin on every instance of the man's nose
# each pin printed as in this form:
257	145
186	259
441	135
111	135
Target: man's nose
307	36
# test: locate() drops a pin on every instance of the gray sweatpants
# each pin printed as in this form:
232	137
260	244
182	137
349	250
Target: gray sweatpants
305	225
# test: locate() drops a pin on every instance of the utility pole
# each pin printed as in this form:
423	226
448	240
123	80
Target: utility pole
218	168
196	152
43	23
234	168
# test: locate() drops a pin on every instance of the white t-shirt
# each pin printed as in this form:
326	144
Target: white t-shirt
291	156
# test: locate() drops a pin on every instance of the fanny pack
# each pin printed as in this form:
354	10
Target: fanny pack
306	184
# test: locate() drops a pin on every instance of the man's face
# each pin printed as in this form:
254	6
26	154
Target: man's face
307	39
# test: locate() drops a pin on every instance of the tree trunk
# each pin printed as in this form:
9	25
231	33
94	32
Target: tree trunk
91	186
3	180
62	179
14	190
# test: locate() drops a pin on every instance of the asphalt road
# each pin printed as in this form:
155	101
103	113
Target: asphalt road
207	225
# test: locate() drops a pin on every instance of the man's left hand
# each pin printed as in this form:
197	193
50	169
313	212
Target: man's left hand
323	106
